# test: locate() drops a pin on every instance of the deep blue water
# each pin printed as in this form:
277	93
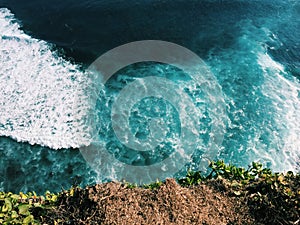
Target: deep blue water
251	47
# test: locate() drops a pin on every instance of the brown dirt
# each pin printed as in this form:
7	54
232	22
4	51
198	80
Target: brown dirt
114	203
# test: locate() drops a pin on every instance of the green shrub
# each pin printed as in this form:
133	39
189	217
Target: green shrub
18	208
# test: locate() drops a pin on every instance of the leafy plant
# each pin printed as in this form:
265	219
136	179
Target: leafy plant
154	185
267	193
192	178
17	208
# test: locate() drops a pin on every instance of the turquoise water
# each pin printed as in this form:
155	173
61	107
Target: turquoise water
252	48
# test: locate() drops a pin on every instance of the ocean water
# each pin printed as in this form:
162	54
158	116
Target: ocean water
251	47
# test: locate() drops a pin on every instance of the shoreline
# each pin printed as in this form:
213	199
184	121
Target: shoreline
228	195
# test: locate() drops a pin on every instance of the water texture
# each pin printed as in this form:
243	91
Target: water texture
251	47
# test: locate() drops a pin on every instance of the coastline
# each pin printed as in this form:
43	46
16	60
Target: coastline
228	195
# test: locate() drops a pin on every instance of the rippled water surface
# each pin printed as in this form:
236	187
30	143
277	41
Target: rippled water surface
251	47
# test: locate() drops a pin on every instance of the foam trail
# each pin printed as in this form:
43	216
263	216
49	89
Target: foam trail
263	101
42	98
284	92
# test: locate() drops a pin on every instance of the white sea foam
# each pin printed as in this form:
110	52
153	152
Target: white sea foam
263	101
283	91
42	98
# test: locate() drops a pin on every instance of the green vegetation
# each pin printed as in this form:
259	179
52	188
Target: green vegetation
19	208
151	186
270	196
273	197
